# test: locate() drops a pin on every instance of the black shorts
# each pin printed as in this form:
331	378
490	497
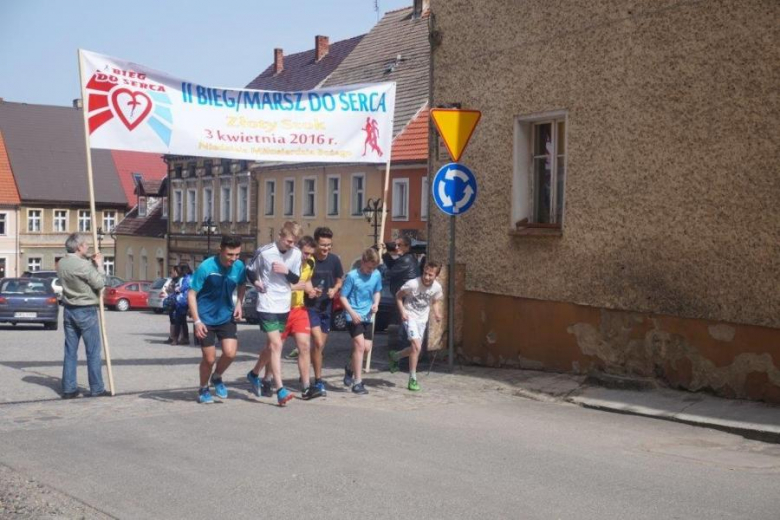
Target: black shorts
218	332
366	328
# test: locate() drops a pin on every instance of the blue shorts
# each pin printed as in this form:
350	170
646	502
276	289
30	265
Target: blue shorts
320	319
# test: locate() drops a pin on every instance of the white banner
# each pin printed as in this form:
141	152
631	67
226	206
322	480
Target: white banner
131	107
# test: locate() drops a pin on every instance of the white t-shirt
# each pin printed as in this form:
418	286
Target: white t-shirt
419	298
276	298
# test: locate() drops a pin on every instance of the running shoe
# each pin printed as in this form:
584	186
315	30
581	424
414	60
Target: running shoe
348	376
266	390
283	396
219	388
392	355
319	384
255	382
311	393
204	396
359	388
414	386
293	354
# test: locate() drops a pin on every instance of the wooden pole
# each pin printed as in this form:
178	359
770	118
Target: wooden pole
93	213
381	241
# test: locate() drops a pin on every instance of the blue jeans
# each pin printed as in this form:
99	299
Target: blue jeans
82	322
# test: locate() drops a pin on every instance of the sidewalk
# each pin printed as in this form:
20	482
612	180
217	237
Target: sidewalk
753	420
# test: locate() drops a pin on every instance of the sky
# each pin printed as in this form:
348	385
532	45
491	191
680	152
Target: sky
221	43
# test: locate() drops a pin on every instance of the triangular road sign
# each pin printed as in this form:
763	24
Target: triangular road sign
455	126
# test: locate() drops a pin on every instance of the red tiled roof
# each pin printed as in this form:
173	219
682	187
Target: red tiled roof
153	225
8	192
150	165
412	143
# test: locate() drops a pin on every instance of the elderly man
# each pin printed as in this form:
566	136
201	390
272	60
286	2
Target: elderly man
81	280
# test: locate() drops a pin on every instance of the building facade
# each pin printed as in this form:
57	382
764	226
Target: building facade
627	220
141	242
9	217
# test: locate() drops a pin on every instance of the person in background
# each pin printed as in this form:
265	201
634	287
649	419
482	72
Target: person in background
171	291
181	332
82	279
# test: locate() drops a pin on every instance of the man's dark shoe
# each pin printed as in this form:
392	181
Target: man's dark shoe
104	393
70	395
311	393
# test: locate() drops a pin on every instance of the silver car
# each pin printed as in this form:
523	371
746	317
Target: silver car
157	293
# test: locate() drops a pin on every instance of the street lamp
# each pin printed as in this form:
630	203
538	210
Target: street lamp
372	212
209	228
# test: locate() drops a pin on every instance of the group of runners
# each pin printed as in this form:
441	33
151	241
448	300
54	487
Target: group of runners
297	279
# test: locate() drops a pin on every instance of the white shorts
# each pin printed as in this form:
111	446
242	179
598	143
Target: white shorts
415	329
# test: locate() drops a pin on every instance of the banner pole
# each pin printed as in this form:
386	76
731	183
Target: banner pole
93	213
381	241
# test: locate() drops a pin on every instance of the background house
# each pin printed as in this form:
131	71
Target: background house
627	219
9	217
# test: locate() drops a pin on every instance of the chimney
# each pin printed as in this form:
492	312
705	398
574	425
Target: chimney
420	6
321	47
77	103
278	61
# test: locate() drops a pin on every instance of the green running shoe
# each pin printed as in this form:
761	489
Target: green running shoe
392	355
414	386
293	354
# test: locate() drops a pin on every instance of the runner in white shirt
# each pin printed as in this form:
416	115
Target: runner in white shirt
273	270
414	300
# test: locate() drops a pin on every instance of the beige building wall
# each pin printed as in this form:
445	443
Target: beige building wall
672	125
9	241
140	258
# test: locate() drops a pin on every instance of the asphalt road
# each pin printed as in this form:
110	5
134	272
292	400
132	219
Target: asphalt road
465	447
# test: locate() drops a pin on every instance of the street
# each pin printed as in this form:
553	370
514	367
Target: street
464	447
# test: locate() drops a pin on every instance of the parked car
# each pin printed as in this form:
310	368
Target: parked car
28	300
113	281
157	294
128	295
47	275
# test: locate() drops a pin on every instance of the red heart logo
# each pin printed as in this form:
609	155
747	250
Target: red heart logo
131	107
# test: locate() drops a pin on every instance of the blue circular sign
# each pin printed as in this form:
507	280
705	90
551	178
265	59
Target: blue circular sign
454	189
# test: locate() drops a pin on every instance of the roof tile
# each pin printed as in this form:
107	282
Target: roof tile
8	192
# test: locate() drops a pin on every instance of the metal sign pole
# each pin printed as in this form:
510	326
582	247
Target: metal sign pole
451	298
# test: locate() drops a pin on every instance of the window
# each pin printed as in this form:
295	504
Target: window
289	197
334	195
142	274
33	264
208	203
109	221
243	203
137	178
225	210
192	206
424	199
143	206
309	197
108	265
85	221
270	196
3	217
540	170
400	199
34	220
165	207
177	205
60	221
129	267
358	193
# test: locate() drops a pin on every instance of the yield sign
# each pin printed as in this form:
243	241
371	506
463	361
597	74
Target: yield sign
455	126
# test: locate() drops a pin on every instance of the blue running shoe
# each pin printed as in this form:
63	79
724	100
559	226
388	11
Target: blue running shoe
266	390
348	376
204	396
255	382
283	396
219	388
319	384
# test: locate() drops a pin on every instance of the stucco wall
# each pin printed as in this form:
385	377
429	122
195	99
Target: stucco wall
9	248
154	249
673	116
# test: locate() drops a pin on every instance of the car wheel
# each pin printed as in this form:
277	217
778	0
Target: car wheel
339	321
122	305
158	311
50	326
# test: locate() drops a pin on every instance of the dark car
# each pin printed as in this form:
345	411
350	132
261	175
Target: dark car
28	300
48	275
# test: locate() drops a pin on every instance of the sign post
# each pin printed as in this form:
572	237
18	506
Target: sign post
454	191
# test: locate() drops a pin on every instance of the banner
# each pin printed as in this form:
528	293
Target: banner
131	107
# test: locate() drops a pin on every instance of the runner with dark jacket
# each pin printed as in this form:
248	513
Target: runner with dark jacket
403	268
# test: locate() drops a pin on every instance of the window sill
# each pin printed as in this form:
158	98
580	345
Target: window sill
537	231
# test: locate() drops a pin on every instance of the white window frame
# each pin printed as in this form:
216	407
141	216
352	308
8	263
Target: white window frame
192	205
39	219
331	210
143	206
289	197
208	203
109	216
242	214
178	205
54	220
4	219
424	196
165	207
270	197
523	186
84	216
309	195
357	212
30	260
109	265
226	203
400	211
